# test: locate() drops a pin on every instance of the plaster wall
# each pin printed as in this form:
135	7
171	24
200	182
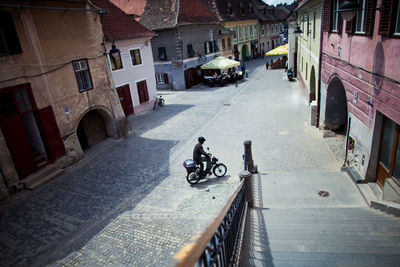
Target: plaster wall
51	41
308	45
177	57
131	74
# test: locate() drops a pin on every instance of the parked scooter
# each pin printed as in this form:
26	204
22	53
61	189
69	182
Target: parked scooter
290	74
194	173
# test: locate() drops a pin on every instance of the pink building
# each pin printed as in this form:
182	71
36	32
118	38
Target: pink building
360	87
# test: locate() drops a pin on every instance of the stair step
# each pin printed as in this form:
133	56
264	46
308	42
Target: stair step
44	179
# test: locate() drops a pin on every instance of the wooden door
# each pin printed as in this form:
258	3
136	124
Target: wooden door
389	147
125	99
55	145
94	128
142	91
18	145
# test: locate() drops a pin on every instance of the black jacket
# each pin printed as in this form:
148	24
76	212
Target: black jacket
197	152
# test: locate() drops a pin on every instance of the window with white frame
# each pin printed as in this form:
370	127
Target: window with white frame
162	78
360	17
262	30
135	56
116	61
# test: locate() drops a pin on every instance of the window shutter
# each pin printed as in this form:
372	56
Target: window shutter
51	131
166	78
370	17
326	15
386	17
350	26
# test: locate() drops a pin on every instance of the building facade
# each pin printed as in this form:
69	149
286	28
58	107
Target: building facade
360	88
187	35
239	17
308	47
131	65
56	96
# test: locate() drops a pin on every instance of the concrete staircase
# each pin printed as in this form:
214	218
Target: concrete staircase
42	176
321	237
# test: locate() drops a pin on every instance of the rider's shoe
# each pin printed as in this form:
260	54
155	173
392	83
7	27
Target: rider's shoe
209	172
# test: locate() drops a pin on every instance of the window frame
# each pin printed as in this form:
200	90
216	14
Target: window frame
361	12
86	71
133	58
113	62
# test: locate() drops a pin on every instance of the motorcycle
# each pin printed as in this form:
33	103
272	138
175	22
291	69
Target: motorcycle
194	173
290	74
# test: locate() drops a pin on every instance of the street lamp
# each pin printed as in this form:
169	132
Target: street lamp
298	30
114	51
348	9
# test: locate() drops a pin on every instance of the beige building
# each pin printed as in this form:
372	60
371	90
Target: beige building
56	94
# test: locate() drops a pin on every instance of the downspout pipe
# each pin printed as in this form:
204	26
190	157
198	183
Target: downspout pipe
100	11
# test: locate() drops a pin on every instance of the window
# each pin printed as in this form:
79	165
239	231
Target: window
162	54
9	42
162	78
135	56
82	75
229	43
251	30
256	30
308	25
190	50
272	28
223	43
267	29
267	45
360	17
314	21
245	31
390	18
335	15
397	27
235	32
276	28
116	62
262	30
142	91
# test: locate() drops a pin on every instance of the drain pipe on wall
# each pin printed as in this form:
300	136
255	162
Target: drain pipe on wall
347	141
10	190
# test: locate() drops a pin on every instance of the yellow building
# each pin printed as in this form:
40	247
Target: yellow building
238	16
308	45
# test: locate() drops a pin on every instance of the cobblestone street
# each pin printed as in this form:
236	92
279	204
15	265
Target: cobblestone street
128	203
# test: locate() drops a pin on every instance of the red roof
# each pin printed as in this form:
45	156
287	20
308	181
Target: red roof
117	25
193	12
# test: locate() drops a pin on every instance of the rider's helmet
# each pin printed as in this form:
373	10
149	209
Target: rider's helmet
201	139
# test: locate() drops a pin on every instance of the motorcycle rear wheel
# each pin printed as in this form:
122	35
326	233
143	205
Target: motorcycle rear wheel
193	178
219	170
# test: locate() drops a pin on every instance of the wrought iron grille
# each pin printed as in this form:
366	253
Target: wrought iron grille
223	248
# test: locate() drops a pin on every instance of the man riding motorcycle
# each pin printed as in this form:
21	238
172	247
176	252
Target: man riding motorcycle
199	155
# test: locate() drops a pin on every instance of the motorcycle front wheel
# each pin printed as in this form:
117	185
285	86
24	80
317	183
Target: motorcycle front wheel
193	178
220	170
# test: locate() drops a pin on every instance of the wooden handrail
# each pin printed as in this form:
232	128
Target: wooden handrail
190	253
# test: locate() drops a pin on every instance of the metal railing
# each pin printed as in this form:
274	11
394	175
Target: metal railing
220	244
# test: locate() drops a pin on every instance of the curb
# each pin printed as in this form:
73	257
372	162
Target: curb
372	200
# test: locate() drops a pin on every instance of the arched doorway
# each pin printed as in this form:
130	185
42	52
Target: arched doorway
312	84
244	53
91	129
336	106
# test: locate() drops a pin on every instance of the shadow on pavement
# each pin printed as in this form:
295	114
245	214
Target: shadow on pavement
256	250
40	226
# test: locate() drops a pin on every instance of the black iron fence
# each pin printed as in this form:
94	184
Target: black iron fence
220	244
